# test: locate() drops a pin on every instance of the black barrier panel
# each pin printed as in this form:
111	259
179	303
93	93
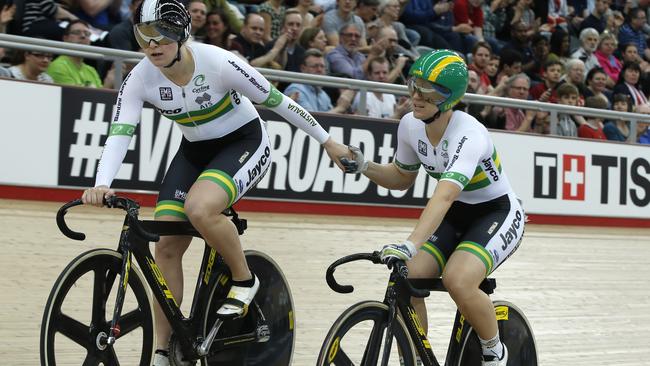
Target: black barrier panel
85	119
301	169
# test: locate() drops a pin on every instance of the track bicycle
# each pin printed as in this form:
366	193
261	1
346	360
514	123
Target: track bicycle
389	332
80	327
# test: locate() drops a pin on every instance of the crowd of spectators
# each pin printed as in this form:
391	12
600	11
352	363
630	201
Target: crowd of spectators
591	53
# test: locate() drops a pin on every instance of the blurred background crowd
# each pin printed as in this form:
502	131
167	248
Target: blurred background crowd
591	53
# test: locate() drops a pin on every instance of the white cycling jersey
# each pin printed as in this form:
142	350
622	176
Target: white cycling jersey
465	156
216	102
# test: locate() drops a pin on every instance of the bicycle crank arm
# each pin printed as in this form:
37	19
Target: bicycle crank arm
205	346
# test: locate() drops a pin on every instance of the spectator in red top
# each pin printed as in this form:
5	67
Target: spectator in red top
470	12
480	60
593	128
546	91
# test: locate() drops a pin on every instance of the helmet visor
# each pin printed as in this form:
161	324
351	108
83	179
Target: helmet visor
157	31
431	92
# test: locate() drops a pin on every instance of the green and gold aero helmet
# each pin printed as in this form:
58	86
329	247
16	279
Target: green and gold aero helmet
443	78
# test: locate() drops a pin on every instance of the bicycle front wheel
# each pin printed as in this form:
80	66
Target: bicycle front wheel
79	311
276	307
357	338
514	331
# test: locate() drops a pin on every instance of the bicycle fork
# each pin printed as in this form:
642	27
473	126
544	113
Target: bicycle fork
104	340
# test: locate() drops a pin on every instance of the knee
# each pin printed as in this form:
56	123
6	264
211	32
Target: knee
457	284
198	211
169	248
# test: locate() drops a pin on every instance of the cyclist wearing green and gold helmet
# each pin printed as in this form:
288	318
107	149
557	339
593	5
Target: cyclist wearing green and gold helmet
473	221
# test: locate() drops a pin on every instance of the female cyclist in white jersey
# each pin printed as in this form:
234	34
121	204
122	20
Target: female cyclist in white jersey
225	150
473	221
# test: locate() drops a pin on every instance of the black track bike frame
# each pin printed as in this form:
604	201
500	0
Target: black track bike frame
134	242
398	299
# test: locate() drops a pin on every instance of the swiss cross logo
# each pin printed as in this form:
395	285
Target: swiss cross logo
573	177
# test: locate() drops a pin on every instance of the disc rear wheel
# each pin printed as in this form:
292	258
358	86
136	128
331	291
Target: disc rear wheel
270	313
514	331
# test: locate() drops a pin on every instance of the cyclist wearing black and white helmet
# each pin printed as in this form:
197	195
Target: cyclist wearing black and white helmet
473	222
208	93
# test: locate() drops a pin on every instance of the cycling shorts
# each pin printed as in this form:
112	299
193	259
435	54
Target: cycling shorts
235	162
491	230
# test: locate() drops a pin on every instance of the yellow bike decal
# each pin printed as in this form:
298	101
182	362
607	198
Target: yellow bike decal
501	312
128	269
460	329
334	349
208	270
416	321
161	280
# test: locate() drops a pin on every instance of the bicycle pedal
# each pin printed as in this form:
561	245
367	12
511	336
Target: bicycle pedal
263	333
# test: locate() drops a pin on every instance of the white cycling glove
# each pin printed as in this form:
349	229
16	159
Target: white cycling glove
357	165
392	252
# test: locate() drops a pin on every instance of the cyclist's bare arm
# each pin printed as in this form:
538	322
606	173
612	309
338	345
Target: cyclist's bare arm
390	176
444	195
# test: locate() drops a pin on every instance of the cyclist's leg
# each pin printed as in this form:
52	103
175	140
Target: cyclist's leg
490	240
430	261
170	249
241	162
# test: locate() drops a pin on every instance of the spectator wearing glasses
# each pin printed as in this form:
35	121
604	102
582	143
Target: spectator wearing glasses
513	119
312	97
346	59
31	66
71	70
334	19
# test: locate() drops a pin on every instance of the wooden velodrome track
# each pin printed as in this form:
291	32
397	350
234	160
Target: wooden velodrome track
586	291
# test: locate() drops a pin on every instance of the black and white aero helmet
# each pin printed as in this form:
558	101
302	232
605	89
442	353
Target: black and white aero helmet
170	18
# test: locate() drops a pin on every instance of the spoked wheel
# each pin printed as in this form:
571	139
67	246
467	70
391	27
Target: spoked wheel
514	331
275	319
79	310
357	338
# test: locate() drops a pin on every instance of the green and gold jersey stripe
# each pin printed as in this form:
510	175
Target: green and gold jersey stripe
171	208
202	116
480	178
223	180
121	129
409	167
435	253
480	252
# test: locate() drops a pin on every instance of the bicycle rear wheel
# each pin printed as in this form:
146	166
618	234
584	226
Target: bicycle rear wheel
514	331
276	305
357	338
76	315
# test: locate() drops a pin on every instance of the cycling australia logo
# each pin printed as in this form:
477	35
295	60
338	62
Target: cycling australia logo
165	93
198	82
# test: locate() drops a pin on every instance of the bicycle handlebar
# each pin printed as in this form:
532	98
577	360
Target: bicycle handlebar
399	267
130	206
